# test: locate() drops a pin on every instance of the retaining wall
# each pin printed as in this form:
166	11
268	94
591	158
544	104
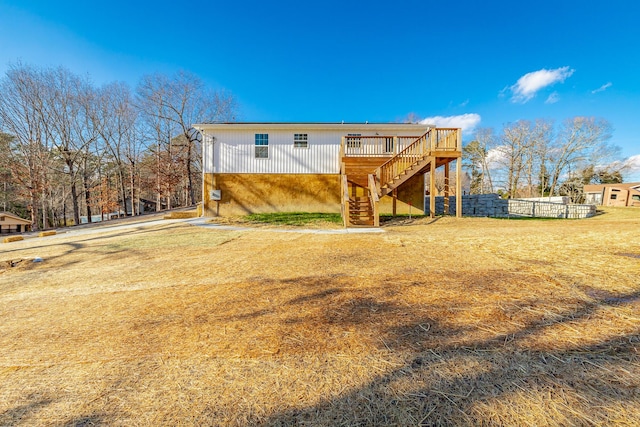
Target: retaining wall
493	206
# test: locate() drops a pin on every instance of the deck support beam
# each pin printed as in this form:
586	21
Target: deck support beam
459	187
432	188
394	195
446	210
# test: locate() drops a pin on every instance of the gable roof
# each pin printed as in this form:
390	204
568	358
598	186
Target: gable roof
14	217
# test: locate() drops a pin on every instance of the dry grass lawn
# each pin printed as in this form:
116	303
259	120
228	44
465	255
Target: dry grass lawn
469	321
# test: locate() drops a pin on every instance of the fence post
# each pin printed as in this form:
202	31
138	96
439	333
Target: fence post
533	209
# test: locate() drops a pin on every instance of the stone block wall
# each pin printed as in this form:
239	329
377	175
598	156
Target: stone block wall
492	205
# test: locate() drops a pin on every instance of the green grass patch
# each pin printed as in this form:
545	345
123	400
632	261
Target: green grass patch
294	218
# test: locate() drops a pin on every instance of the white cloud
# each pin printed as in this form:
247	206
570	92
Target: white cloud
553	98
467	122
496	156
633	163
528	85
603	87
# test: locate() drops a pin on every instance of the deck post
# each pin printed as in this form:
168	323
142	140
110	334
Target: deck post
394	195
446	188
432	188
459	187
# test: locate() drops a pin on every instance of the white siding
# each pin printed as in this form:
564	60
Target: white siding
233	148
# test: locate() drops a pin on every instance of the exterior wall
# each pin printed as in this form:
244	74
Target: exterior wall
291	178
230	148
623	197
242	194
613	194
234	152
9	224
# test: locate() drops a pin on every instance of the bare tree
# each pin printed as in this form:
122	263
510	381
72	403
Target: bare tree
514	149
581	140
67	103
477	158
21	115
535	157
118	120
179	102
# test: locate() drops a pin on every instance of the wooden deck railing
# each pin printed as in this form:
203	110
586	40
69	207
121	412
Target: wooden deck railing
374	146
447	139
442	139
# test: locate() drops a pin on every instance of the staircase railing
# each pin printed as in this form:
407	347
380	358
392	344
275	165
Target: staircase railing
436	139
404	159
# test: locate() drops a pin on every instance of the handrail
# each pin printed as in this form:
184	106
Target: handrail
435	139
401	161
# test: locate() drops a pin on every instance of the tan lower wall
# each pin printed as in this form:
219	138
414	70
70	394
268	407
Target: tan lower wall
412	192
259	193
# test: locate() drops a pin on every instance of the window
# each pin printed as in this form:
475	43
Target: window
300	140
635	197
2	218
262	145
614	196
354	142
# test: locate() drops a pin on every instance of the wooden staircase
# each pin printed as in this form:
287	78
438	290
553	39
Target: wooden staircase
377	171
404	176
361	211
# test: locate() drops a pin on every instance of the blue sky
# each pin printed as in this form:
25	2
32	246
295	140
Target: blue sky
472	63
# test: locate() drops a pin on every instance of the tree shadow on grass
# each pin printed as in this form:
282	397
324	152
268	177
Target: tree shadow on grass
14	415
501	380
27	414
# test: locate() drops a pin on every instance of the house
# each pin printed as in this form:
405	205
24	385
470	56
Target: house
358	169
143	206
10	223
627	194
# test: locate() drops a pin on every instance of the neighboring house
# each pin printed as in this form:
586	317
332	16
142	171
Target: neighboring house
144	206
627	194
360	169
10	223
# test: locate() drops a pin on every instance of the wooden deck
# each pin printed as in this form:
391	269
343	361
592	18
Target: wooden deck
375	166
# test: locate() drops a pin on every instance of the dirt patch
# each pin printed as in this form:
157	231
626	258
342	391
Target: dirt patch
14	264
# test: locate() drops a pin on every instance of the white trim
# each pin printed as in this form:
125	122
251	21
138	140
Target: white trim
346	127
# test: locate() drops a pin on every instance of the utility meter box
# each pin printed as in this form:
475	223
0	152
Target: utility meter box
215	195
